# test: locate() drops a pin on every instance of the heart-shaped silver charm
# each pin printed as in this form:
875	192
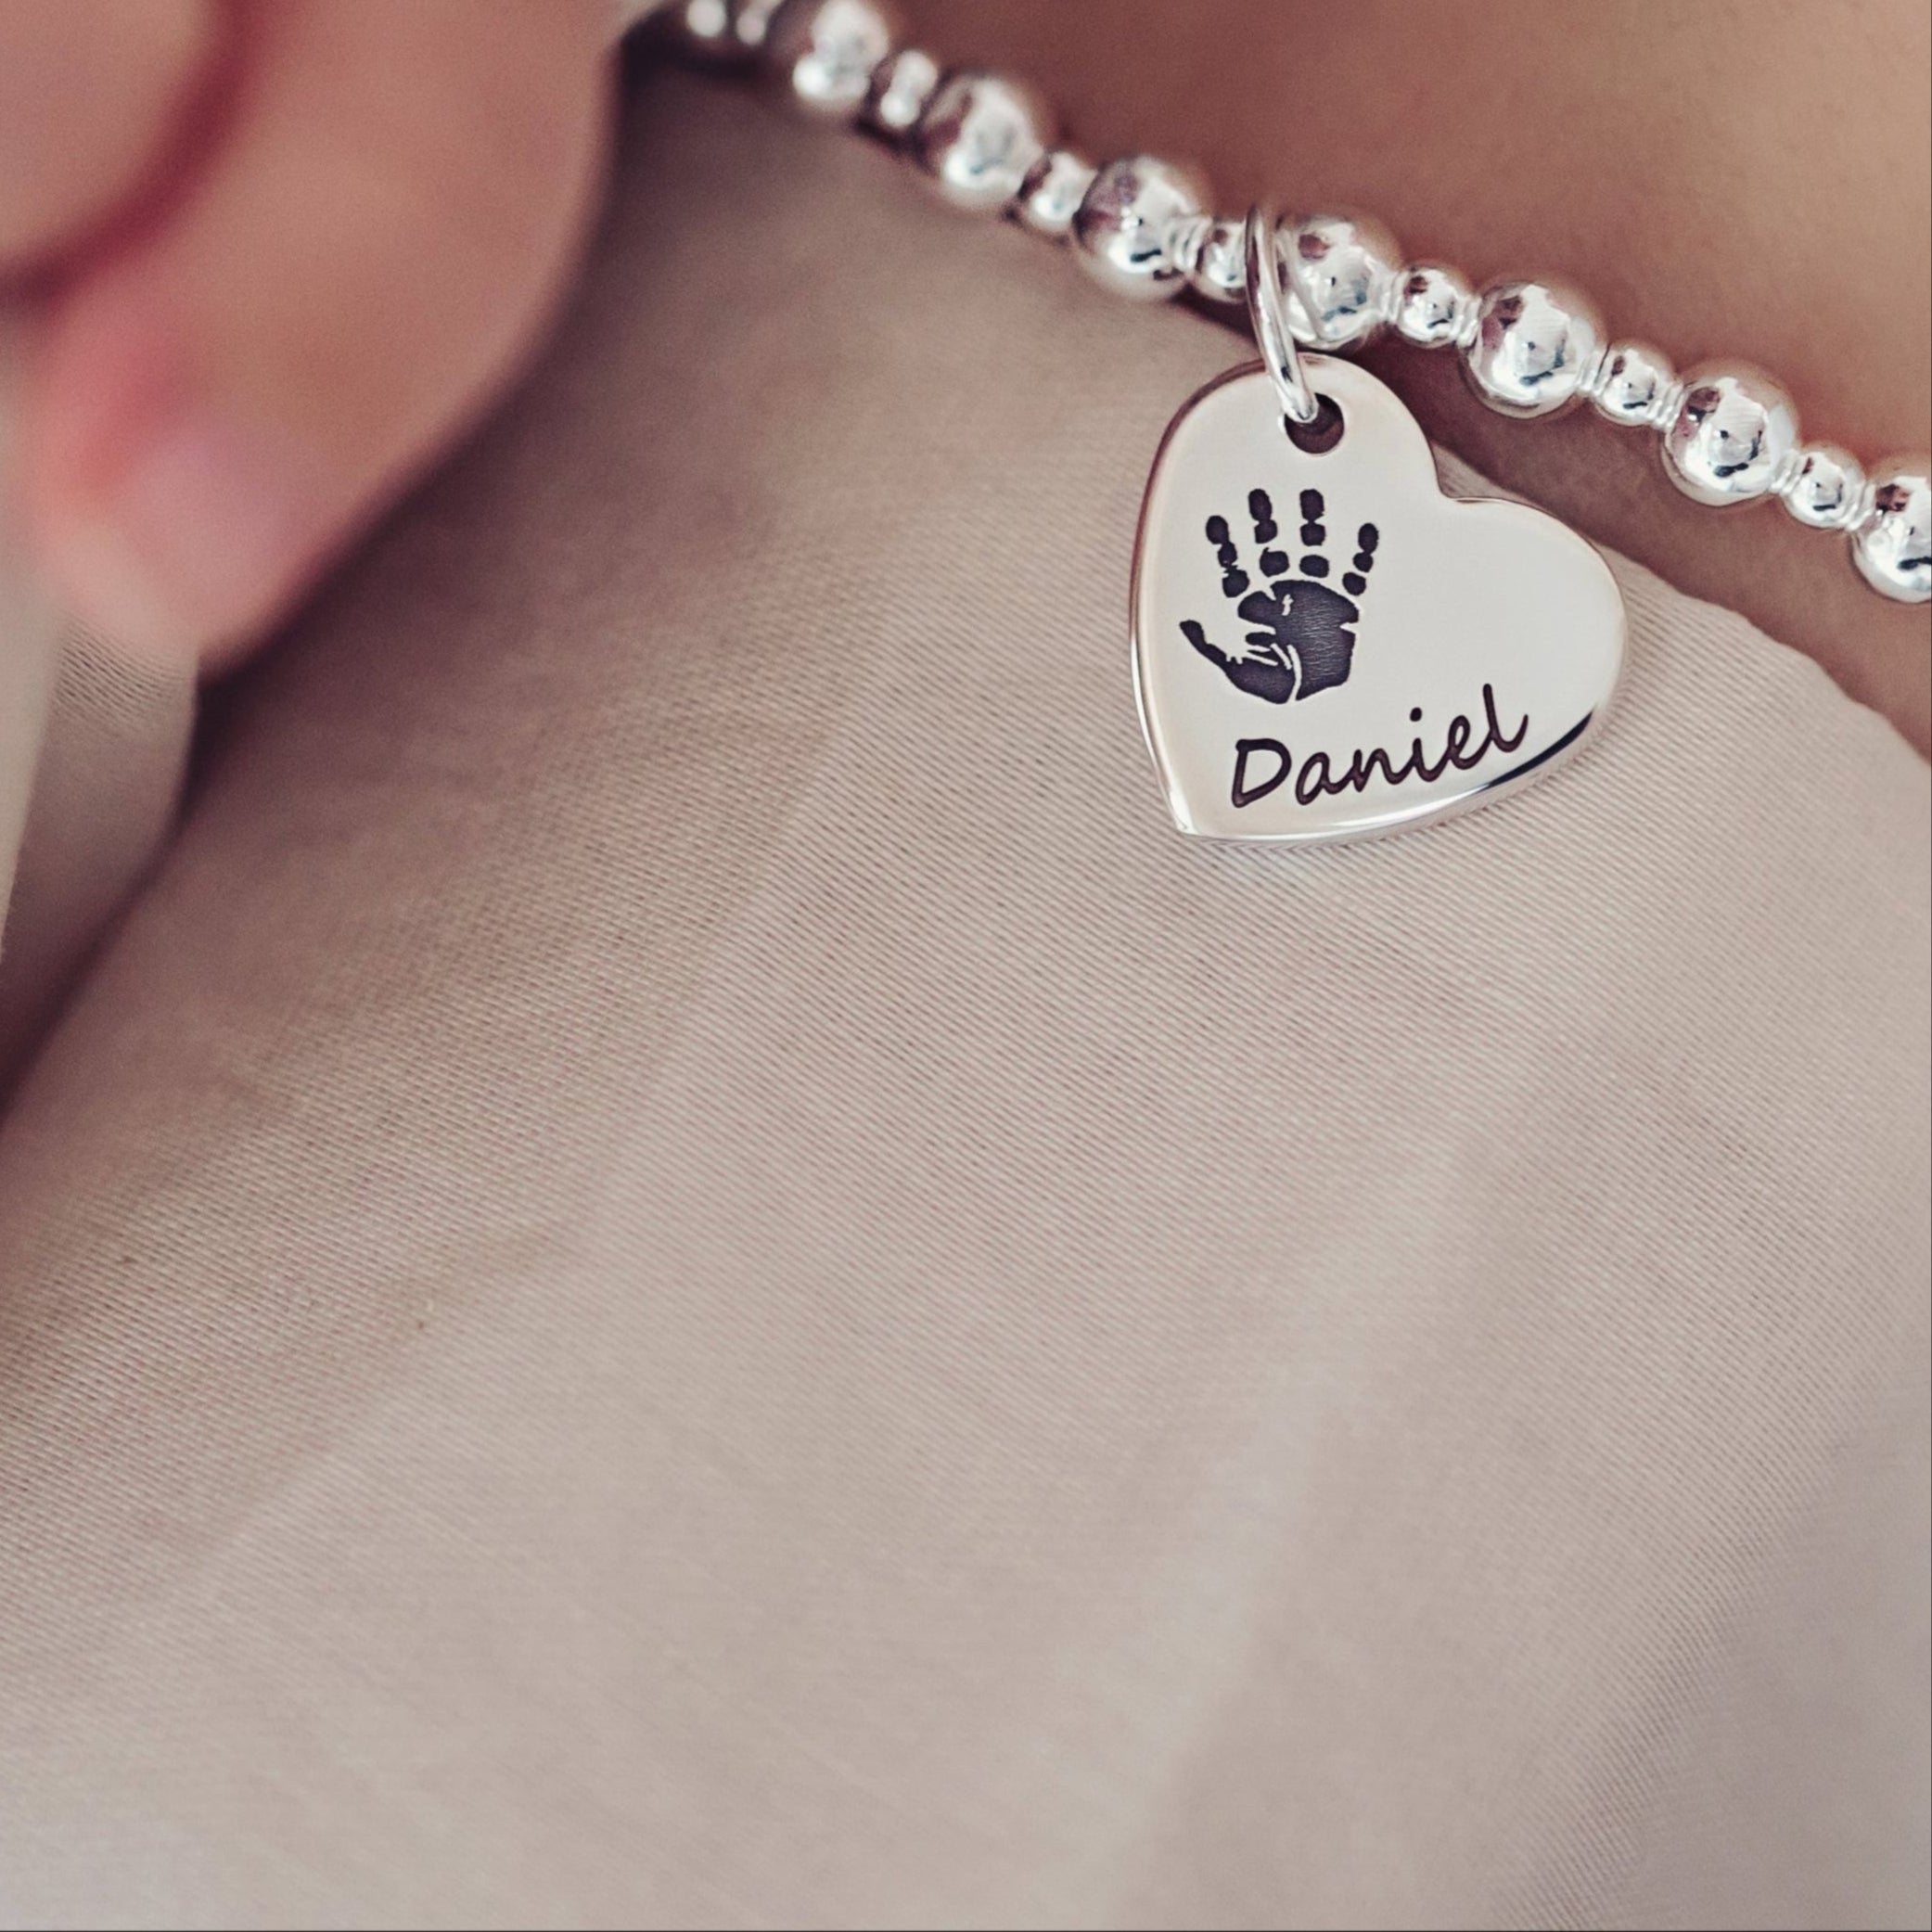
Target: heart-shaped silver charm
1326	646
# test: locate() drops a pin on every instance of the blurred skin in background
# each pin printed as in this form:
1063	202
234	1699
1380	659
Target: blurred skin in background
281	254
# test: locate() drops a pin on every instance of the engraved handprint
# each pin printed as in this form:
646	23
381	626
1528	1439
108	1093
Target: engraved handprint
1304	635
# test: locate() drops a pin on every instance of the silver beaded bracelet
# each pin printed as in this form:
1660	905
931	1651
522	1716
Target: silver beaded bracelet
1453	648
1141	226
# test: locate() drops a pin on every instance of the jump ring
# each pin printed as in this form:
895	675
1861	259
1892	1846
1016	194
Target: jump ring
1267	309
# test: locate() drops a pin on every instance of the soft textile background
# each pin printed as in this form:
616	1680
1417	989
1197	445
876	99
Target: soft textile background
682	1268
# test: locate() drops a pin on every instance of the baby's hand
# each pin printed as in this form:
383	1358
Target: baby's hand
277	253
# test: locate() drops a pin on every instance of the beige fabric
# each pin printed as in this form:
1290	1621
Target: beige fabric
682	1269
27	635
102	794
92	748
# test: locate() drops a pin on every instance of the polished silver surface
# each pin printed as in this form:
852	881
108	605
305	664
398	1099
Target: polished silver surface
1632	385
701	30
1823	488
751	21
1533	345
979	139
1219	267
1127	227
1892	548
1141	226
1053	192
1265	265
900	88
1730	434
825	51
1327	648
1434	306
1343	270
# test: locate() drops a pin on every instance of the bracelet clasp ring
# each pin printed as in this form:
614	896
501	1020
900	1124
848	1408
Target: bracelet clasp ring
1267	268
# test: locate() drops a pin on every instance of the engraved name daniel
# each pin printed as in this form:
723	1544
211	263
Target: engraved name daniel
1301	641
1264	765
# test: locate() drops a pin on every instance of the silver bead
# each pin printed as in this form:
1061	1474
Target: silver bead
1433	306
1823	488
1533	344
980	137
1893	546
703	29
1632	383
1053	192
826	50
1218	270
901	85
751	20
1129	222
1730	436
1348	266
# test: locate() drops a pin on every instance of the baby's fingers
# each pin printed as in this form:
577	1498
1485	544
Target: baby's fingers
89	94
377	229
